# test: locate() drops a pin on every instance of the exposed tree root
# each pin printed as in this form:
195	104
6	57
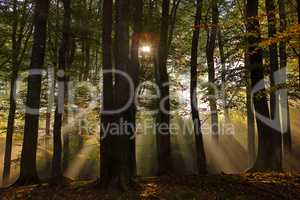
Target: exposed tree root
24	181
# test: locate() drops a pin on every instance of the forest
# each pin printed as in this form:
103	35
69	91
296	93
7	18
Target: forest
149	99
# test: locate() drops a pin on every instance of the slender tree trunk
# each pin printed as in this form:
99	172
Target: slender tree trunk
12	102
149	16
254	62
28	171
223	77
250	123
274	99
250	114
298	10
48	113
87	56
57	173
172	22
66	136
107	90
86	42
210	48
9	131
121	142
134	73
298	14
287	138
200	153
162	79
65	120
50	96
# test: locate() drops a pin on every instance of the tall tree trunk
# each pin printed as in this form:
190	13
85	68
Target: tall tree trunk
87	55
162	79
250	114
57	173
118	149
134	74
298	14
86	41
172	22
250	123
10	129
50	96
200	152
28	171
274	99
66	136
107	90
254	64
298	10
12	102
49	107
121	141
223	77
210	48
287	138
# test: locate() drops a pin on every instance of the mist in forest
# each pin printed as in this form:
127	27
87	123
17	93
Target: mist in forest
228	155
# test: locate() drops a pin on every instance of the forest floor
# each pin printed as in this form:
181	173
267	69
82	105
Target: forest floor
243	186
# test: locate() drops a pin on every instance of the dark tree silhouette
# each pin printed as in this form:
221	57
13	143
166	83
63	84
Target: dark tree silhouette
134	73
210	49
12	102
274	98
254	61
107	22
18	38
117	172
28	171
57	172
298	15
287	138
200	153
162	79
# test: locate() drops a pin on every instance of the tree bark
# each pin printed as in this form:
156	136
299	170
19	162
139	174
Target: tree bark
298	15
210	48
250	114
250	123
274	99
12	102
28	171
50	97
57	172
223	77
116	149
107	89
19	39
121	142
162	79
287	138
10	130
172	22
200	152
134	74
254	62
